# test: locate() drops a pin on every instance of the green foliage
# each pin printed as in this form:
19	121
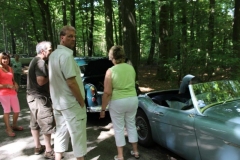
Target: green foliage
188	53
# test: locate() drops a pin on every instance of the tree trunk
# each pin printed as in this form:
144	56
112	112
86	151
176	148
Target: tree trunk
64	10
211	26
73	19
33	21
236	29
140	10
44	7
193	3
183	40
4	33
13	41
72	13
236	38
120	23
172	49
163	71
209	66
83	28
44	24
25	28
115	29
108	23
153	34
90	38
130	31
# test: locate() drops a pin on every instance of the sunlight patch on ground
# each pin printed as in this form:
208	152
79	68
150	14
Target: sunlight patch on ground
21	143
91	148
95	158
106	134
32	157
146	89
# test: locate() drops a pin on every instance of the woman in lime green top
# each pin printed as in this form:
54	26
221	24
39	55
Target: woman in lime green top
120	94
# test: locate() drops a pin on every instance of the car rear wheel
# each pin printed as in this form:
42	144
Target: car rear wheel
143	129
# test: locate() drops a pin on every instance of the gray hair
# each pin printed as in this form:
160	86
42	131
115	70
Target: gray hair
42	46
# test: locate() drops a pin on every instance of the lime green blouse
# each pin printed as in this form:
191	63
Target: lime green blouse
123	81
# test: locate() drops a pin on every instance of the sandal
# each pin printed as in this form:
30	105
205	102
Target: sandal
10	134
116	158
17	128
135	154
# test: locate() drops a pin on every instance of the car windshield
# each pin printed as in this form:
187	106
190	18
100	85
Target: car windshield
206	95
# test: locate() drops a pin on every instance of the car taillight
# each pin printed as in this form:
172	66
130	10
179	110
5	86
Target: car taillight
93	99
92	90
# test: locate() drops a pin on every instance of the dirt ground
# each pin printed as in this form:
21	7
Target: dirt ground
148	81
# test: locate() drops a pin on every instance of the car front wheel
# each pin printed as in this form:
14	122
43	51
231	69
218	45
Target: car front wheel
143	129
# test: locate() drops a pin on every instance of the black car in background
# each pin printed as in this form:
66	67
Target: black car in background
93	71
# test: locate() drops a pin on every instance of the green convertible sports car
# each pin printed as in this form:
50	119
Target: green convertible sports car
204	125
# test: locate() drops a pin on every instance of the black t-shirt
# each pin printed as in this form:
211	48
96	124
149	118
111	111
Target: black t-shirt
37	67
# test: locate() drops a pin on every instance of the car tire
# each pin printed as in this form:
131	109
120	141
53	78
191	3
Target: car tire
143	129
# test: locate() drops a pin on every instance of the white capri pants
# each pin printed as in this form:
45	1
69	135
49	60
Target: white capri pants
123	112
69	123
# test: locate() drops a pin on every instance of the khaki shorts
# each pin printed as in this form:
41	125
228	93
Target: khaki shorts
41	114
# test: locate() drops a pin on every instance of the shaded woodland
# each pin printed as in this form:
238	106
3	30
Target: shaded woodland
201	37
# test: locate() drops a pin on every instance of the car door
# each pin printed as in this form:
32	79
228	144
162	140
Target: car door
176	131
218	140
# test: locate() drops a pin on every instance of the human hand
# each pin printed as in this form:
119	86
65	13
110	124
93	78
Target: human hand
9	86
102	114
82	104
16	87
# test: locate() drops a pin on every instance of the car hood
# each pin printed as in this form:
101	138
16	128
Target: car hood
225	111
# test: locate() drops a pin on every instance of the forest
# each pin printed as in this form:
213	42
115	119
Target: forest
201	37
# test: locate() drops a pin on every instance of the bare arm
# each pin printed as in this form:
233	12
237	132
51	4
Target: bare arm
107	89
6	86
41	80
73	85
